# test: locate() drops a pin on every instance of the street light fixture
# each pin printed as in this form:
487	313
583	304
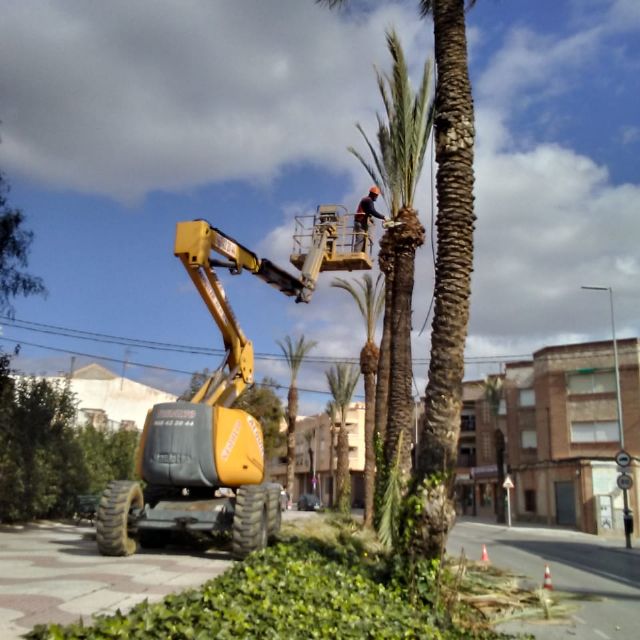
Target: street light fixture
627	516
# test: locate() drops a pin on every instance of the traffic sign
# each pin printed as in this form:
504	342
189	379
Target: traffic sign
623	459
508	483
624	481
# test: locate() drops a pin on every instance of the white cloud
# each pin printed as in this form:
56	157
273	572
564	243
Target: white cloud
531	66
120	98
630	134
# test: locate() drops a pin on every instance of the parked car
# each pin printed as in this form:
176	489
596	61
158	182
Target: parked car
309	502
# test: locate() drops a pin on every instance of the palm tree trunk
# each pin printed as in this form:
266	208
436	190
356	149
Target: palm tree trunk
440	426
292	412
385	259
343	499
368	365
332	456
408	237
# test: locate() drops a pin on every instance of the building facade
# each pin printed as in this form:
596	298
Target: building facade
111	401
558	414
316	463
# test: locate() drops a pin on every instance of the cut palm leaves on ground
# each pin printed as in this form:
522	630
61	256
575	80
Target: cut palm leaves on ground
501	596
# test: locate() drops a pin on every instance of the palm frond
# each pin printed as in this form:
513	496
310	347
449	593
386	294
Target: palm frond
390	509
403	130
368	296
295	352
342	379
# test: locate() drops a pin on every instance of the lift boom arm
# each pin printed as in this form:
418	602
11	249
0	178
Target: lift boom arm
194	243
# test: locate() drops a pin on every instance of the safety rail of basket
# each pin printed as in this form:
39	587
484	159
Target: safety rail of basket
345	235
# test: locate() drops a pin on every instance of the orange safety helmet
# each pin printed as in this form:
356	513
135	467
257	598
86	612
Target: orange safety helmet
375	190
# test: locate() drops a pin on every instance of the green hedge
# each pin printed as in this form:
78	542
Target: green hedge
303	589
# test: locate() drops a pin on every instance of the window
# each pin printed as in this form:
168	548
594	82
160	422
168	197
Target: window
467	457
527	398
529	439
502	407
586	432
467	422
530	500
591	381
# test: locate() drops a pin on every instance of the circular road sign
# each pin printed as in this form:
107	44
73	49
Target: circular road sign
624	481
623	459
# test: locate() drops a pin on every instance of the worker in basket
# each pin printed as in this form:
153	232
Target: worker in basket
366	210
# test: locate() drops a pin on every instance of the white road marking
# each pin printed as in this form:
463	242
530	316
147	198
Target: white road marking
579	619
601	634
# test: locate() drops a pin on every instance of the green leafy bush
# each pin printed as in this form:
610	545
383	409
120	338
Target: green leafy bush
302	589
46	461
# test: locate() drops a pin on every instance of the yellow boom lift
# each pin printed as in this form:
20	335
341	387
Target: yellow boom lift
202	461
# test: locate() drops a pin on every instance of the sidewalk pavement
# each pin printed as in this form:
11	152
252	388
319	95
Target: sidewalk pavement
52	572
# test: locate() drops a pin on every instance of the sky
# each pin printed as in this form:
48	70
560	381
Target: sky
119	119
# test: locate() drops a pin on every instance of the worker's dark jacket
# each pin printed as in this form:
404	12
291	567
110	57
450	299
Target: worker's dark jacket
366	210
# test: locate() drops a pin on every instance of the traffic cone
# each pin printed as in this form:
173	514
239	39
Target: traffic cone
547	578
485	555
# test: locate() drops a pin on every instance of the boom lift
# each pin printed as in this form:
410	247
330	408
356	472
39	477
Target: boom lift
203	461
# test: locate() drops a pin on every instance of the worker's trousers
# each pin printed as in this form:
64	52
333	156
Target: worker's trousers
360	233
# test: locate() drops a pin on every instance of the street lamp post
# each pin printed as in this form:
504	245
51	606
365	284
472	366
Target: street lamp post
626	512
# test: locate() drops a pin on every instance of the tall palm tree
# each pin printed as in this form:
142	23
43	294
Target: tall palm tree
493	395
332	411
454	144
342	379
369	297
403	134
309	438
455	136
294	353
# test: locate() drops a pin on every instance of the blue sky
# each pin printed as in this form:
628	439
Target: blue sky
119	119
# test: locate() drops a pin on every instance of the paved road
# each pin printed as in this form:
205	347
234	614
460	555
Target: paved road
52	572
581	564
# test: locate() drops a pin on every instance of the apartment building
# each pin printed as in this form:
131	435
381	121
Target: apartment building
316	442
108	400
558	414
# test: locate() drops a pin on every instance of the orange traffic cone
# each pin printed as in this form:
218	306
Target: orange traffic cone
547	578
485	555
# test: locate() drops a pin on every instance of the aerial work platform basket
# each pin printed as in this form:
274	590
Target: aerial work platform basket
327	241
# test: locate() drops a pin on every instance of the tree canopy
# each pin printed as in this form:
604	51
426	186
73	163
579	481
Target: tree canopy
15	242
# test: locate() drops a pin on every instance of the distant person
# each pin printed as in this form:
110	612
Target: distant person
366	210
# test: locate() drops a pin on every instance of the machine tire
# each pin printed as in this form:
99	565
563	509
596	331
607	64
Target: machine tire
274	514
114	511
250	520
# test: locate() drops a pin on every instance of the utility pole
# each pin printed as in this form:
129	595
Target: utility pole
627	514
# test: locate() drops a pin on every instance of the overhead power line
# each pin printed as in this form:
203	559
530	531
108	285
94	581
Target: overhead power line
92	336
142	365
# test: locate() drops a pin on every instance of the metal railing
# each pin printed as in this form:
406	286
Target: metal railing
344	241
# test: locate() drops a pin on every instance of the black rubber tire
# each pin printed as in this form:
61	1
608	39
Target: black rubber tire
112	522
250	522
274	515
